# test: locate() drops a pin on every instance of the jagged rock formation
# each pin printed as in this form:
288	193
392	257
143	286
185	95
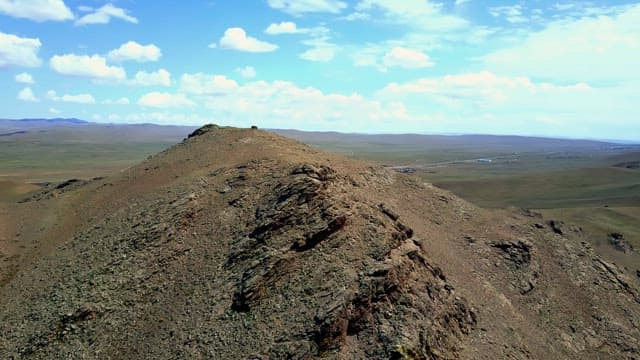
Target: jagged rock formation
242	244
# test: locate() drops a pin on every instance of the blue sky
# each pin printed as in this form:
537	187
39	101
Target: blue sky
553	68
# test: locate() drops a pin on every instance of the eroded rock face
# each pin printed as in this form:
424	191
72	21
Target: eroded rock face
519	256
54	190
393	300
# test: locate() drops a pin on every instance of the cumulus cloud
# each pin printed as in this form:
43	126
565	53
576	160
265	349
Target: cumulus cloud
321	49
299	7
77	99
285	27
463	99
24	78
26	94
201	83
36	10
486	102
387	55
237	39
159	78
104	15
247	72
590	48
407	58
19	51
165	100
92	67
136	52
482	86
319	53
284	104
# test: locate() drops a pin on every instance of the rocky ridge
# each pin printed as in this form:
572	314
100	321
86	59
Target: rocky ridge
242	244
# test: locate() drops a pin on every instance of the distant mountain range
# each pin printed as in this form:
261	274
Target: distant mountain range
60	121
314	137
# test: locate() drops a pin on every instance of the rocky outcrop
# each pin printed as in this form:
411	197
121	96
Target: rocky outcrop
394	301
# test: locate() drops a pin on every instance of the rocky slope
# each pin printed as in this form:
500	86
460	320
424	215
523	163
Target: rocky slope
238	243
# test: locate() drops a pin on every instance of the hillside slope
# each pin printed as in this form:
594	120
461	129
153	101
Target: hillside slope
239	243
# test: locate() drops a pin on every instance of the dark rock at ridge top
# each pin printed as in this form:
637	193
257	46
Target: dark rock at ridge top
620	243
203	130
628	165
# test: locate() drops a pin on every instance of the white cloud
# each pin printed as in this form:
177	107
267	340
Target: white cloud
78	99
356	16
247	72
36	10
321	49
236	38
165	100
512	13
54	111
389	54
485	102
299	7
104	14
18	51
600	48
276	104
319	53
482	87
24	78
281	104
134	51
93	67
422	14
201	83
120	101
285	27
159	78
288	27
407	58
368	56
26	94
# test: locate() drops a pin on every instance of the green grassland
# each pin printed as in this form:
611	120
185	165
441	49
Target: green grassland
50	161
546	189
598	222
40	152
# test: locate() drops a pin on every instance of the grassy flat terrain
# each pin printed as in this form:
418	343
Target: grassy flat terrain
40	151
553	189
599	222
